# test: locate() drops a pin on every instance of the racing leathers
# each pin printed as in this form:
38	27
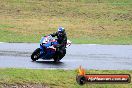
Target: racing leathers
62	40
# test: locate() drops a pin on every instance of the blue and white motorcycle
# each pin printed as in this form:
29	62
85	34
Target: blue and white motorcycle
47	51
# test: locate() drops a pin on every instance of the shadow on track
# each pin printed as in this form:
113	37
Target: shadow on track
49	62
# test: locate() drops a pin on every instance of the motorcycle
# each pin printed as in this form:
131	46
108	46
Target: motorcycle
47	51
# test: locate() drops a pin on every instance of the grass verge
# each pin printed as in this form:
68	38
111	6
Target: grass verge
55	78
86	21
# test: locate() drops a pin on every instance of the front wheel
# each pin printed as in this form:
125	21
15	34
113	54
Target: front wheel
35	55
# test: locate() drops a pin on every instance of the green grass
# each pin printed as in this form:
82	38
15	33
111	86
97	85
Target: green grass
86	21
55	78
115	41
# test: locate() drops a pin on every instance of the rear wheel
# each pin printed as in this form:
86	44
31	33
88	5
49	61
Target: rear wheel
35	55
56	58
59	56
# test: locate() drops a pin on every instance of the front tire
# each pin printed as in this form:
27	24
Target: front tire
35	55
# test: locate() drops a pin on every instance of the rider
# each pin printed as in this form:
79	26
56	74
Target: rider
61	39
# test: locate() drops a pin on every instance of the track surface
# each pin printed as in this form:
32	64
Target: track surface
89	56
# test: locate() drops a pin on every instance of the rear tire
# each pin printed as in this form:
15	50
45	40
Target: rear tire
35	55
58	57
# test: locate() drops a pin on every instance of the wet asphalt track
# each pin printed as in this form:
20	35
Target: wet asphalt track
89	56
